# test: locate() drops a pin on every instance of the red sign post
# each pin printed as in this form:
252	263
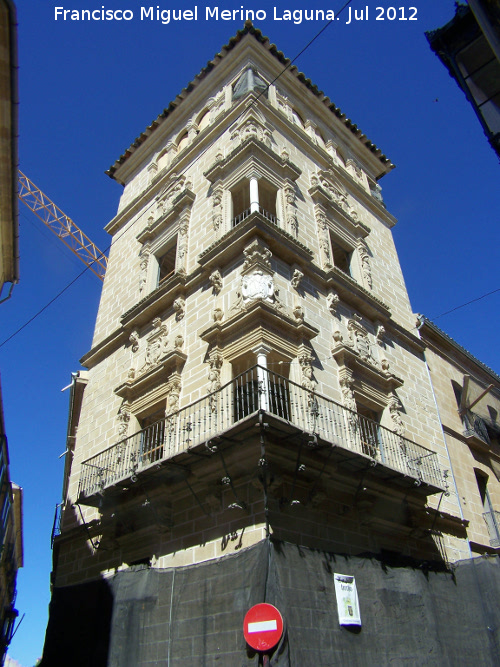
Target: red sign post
263	627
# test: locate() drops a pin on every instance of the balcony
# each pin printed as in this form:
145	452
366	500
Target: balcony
292	411
244	214
492	519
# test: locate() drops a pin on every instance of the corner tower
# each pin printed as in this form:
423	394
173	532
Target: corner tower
255	370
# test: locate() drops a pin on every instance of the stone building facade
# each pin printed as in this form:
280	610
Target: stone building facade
256	371
468	397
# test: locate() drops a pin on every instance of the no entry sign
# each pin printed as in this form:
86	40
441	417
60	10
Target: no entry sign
263	627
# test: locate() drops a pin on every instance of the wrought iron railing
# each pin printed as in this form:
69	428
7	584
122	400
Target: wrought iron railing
254	390
493	522
474	425
244	214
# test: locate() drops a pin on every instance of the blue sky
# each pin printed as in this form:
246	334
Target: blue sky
87	89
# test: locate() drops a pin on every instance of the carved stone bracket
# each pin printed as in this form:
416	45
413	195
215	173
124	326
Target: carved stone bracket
332	301
216	281
179	306
296	278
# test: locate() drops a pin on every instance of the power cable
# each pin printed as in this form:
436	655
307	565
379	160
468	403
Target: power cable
116	238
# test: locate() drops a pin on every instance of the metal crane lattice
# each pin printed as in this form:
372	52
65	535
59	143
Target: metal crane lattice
62	226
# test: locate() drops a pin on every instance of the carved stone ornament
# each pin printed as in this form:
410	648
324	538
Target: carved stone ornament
179	306
178	342
324	238
156	344
174	390
176	184
380	335
358	338
214	383
257	285
332	301
143	274
346	386
134	340
123	422
216	281
290	209
218	314
395	408
364	256
298	313
217	209
257	254
296	278
337	337
252	125
307	380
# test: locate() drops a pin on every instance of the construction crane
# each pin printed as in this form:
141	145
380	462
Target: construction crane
62	226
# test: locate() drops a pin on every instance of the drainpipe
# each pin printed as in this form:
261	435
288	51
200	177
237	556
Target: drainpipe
421	322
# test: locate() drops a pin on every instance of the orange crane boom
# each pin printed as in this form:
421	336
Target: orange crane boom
62	226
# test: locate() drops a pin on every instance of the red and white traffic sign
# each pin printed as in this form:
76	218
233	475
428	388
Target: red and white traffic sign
263	627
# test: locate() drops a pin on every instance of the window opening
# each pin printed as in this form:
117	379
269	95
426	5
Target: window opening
152	437
249	81
242	204
166	263
369	431
248	388
341	257
491	517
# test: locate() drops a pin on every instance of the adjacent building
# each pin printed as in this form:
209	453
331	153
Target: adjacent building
469	47
11	548
257	411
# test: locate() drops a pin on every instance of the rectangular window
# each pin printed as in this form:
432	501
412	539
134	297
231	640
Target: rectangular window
152	437
341	257
166	262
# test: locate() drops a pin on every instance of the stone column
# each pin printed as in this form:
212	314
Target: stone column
254	194
262	375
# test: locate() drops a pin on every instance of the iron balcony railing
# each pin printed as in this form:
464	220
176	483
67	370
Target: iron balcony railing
244	214
493	522
253	390
474	425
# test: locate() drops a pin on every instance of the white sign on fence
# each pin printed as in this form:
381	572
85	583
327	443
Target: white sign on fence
347	600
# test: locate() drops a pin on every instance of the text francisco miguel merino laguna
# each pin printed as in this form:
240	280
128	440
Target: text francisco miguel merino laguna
166	16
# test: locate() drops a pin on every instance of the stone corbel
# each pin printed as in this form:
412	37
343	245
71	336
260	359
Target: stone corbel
215	279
